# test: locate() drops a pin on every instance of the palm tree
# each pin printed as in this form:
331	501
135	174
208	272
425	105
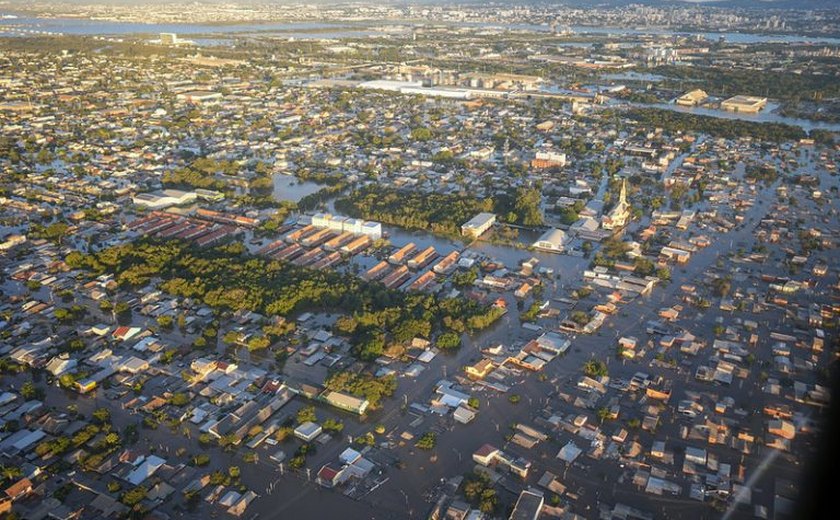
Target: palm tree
10	472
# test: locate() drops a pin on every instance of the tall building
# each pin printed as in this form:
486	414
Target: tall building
618	217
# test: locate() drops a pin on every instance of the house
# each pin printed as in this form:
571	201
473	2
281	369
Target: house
549	481
19	489
133	365
528	505
781	428
523	290
239	507
480	370
61	365
569	452
125	333
331	474
346	402
463	414
308	431
485	455
349	456
451	397
146	469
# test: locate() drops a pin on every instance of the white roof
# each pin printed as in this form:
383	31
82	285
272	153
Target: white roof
569	452
553	236
349	455
145	470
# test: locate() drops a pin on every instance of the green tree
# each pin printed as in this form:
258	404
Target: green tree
306	414
595	368
101	415
449	340
427	441
28	390
134	496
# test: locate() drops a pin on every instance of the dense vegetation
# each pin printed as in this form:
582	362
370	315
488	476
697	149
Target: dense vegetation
761	173
229	280
478	490
363	385
728	82
672	121
201	173
436	212
439	213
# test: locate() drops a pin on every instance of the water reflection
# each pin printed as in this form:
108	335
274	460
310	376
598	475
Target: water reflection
288	187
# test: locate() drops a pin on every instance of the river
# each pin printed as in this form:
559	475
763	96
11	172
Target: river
77	26
29	26
731	37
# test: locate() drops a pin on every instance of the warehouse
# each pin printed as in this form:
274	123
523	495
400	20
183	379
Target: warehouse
478	225
164	198
552	240
745	104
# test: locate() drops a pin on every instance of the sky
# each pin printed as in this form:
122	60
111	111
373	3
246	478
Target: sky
758	4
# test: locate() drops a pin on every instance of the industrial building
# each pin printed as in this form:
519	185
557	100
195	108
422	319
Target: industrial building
168	39
553	240
414	88
744	104
528	505
164	198
199	96
478	225
351	225
544	160
692	98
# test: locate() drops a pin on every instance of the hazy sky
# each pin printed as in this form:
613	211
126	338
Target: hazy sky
762	4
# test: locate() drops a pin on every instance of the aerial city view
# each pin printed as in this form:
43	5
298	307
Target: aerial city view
419	260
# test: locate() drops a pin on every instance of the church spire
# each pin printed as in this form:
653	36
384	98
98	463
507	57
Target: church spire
622	197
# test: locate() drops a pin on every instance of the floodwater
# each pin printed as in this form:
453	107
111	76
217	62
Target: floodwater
511	257
732	37
289	187
633	76
75	26
101	27
70	26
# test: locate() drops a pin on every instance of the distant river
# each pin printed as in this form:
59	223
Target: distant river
108	28
24	26
731	37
